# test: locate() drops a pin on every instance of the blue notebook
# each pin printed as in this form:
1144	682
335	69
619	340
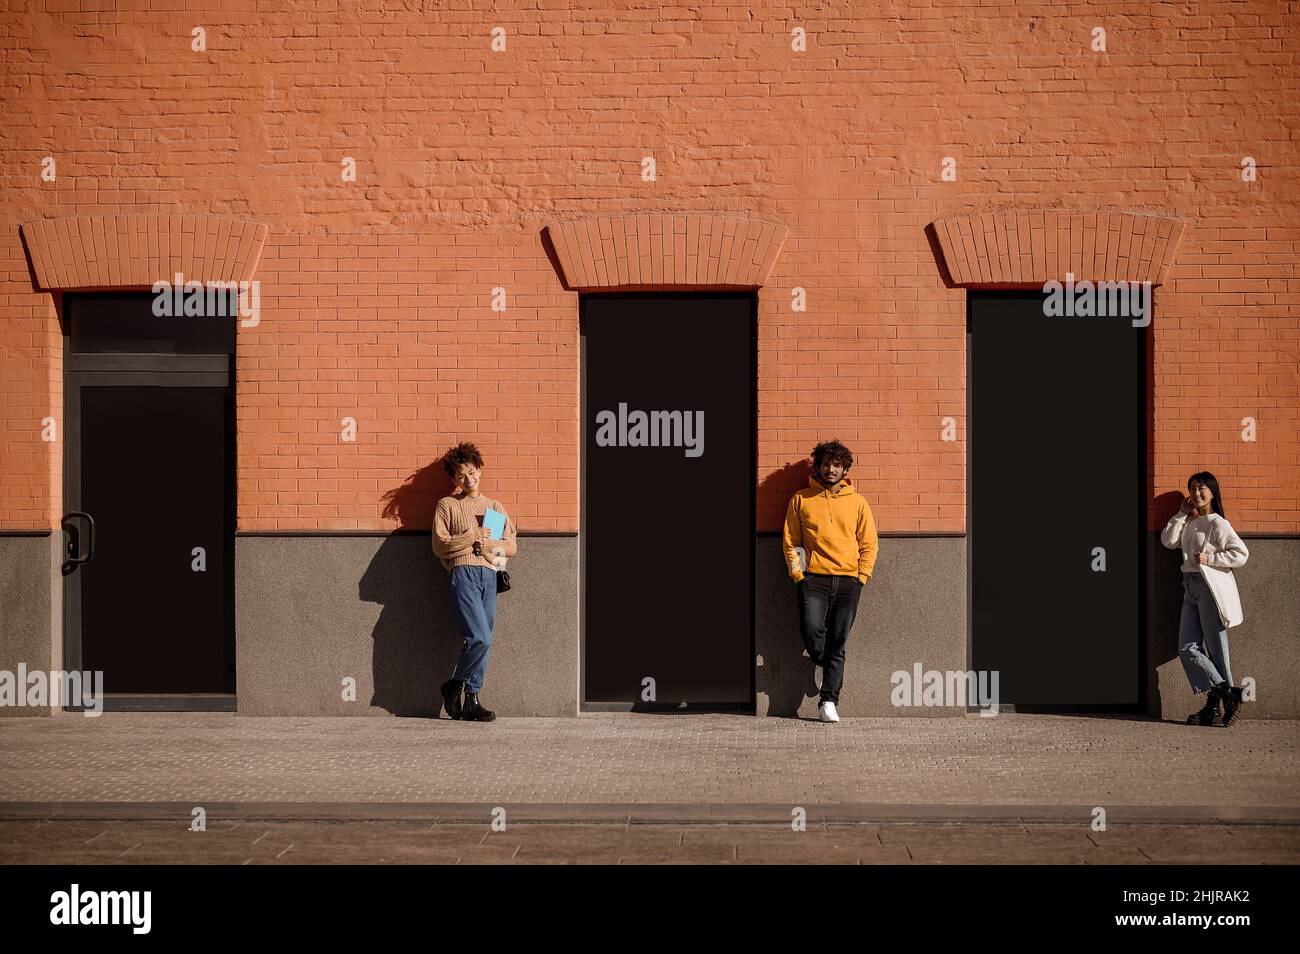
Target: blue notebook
495	521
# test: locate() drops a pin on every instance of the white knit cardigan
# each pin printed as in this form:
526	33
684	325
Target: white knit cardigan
1225	552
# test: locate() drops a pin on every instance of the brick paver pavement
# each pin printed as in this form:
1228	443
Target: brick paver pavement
699	760
373	842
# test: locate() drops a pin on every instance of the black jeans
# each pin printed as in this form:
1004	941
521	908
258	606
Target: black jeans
827	606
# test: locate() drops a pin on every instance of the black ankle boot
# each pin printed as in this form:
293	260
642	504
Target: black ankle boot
1209	712
474	711
1230	696
451	697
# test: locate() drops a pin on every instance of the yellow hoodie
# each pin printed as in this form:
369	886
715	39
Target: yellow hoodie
836	530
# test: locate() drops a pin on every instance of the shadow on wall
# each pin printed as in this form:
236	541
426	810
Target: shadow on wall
785	677
415	643
776	489
412	504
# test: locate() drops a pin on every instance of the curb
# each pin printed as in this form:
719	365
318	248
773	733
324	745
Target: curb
652	813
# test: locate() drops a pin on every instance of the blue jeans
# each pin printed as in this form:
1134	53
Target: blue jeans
1202	640
474	610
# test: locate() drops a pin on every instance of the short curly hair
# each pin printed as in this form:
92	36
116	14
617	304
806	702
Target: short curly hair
833	451
462	453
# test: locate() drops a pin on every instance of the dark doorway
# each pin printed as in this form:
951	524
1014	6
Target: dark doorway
668	456
149	495
1057	465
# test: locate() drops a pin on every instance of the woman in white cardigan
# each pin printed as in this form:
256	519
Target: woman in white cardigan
1211	551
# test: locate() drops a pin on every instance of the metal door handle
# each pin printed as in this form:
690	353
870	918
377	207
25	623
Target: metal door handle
75	557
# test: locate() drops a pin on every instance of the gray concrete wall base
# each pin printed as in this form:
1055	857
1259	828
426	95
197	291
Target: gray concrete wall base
30	610
1265	648
912	610
312	611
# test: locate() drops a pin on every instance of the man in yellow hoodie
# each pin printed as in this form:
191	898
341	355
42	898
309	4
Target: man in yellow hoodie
830	552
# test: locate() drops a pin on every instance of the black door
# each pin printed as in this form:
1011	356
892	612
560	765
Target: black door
1056	501
149	492
668	500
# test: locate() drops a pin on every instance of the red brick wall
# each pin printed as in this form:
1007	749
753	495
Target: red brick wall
376	293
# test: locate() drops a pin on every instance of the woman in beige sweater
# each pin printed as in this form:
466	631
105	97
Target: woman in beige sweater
472	558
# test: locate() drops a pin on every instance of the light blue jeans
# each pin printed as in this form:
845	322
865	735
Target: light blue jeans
474	610
1202	640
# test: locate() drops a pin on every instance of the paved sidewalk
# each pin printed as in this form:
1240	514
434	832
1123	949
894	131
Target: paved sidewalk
379	842
713	765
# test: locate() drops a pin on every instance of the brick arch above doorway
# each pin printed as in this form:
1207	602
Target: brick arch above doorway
1023	248
663	251
134	251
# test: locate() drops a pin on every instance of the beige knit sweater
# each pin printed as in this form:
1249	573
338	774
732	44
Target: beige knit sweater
456	523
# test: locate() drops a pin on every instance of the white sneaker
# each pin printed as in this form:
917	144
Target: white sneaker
828	712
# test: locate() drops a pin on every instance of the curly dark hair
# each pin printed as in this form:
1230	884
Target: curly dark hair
462	453
833	451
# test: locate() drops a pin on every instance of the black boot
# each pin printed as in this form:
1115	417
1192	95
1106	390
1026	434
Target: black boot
1209	712
451	697
1230	696
474	711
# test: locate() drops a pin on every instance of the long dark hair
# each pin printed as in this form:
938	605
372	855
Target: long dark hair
1216	499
